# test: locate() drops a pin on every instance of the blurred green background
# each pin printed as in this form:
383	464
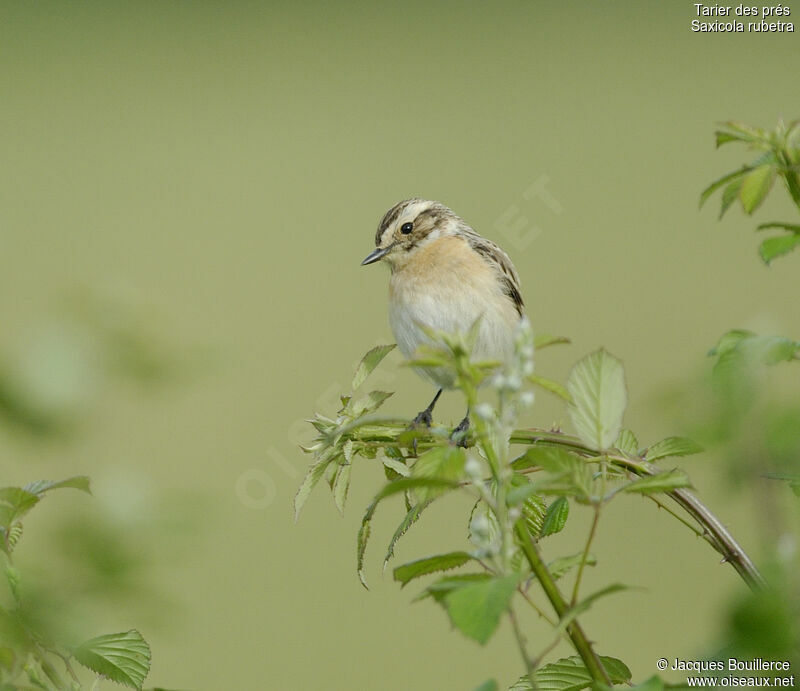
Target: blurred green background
218	169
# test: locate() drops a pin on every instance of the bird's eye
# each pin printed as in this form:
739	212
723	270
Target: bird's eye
406	228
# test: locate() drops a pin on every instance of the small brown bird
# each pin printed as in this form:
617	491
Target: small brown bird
445	276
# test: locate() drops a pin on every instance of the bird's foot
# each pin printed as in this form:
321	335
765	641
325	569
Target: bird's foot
422	421
424	418
460	434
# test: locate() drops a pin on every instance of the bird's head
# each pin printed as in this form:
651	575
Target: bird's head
408	226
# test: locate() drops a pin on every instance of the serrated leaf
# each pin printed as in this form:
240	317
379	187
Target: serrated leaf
555	518
597	386
567	474
719	182
772	248
563	565
551	458
570	674
729	195
543	340
756	186
533	512
341	485
661	482
313	476
369	362
672	446
409	519
392	488
475	609
370	403
398	466
551	386
122	657
422	567
80	482
627	442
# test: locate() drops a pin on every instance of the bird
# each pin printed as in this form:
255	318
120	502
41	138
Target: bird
445	276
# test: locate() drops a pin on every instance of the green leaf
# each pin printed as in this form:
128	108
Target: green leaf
756	186
739	131
398	466
122	657
730	340
570	674
410	518
341	485
543	340
791	227
396	487
370	403
533	511
551	386
661	482
313	476
627	442
475	609
441	462
772	248
729	195
672	446
488	685
597	386
563	565
724	180
555	517
369	362
80	482
448	584
567	473
15	502
422	567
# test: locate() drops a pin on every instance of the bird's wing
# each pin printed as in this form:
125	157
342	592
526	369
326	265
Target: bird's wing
501	264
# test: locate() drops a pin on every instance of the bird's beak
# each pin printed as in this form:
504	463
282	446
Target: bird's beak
376	254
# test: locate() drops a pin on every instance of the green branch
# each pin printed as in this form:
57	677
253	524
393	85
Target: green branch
574	630
383	433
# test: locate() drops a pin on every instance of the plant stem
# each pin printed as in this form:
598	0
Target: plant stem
536	607
382	433
574	630
521	645
585	555
714	531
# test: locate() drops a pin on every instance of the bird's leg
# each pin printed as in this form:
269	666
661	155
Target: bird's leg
460	432
424	418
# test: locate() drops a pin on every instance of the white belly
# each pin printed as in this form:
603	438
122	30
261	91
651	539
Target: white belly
452	309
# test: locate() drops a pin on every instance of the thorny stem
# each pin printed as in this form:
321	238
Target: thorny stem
574	630
536	607
384	433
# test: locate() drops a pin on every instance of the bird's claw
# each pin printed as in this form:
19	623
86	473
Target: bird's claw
460	434
423	419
